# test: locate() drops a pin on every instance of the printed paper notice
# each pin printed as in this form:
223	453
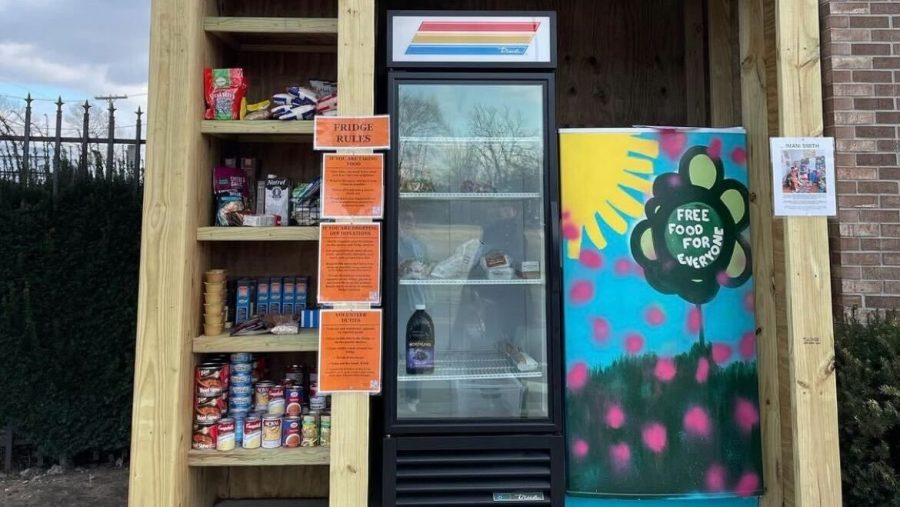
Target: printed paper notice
350	351
341	132
350	263
803	174
353	186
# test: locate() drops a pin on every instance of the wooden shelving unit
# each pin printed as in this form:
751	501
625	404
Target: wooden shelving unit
257	234
259	131
303	35
261	457
306	341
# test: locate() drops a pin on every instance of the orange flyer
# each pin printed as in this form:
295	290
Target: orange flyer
353	186
350	263
350	351
340	132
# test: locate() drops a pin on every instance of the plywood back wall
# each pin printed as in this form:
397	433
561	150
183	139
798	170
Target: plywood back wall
621	62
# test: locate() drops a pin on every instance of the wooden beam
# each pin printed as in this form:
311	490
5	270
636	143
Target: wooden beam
695	64
168	294
350	411
754	111
816	457
721	41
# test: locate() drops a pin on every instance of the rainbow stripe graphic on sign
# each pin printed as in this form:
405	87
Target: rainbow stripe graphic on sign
487	38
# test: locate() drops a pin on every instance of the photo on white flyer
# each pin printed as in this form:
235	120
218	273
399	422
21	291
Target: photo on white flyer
803	176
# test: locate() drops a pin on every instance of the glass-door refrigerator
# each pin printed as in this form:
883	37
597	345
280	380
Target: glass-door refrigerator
472	345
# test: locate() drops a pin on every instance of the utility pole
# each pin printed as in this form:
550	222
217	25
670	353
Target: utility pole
110	138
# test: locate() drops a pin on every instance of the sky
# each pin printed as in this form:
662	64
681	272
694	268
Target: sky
76	49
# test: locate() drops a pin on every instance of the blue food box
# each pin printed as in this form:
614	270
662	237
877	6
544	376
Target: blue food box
243	297
300	290
287	295
275	288
309	318
262	297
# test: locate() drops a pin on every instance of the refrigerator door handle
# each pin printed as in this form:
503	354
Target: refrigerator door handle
555	242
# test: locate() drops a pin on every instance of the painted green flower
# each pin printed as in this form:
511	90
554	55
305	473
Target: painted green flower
692	241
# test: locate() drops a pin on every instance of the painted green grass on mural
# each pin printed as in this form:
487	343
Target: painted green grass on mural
628	424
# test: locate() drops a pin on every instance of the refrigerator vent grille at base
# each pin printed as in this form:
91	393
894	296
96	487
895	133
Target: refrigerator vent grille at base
457	478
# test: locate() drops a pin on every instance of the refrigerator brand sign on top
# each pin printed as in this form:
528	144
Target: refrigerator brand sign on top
471	39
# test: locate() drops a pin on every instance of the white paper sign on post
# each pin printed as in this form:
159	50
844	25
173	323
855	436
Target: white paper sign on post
803	176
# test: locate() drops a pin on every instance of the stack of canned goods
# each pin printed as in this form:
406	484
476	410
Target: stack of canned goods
262	414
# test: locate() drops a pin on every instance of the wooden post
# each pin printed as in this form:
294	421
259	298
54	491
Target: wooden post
168	296
754	111
350	411
721	44
816	459
695	64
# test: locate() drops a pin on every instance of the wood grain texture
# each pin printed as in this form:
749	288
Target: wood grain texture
721	38
350	411
257	127
260	457
279	8
161	421
695	64
269	26
816	457
257	233
273	482
306	341
756	121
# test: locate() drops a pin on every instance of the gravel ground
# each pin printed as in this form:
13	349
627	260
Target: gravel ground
80	487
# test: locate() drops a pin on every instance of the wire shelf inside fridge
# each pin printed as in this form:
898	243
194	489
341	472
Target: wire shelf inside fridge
452	365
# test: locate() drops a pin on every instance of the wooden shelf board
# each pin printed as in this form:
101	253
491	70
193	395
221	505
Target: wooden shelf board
314	35
260	457
306	341
300	129
257	234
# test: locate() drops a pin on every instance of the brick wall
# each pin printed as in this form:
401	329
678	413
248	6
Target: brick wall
861	81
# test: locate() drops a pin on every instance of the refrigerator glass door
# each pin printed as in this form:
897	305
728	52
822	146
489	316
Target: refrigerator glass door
471	251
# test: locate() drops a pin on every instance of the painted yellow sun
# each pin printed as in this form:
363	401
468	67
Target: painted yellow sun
597	171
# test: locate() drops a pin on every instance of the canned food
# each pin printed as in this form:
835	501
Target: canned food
309	432
241	357
252	433
318	402
209	409
313	384
293	399
241	390
295	374
271	438
204	436
241	368
225	434
241	379
211	379
325	431
290	432
276	400
262	394
238	428
241	402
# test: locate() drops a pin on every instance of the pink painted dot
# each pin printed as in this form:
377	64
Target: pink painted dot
577	377
591	259
702	370
654	435
746	415
634	343
622	267
665	369
672	142
747	345
620	455
749	301
601	329
721	353
654	316
739	156
580	448
693	320
722	277
566	214
582	291
715	478
715	148
747	485
570	232
696	422
615	417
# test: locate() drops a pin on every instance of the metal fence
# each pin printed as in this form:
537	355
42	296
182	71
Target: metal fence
30	157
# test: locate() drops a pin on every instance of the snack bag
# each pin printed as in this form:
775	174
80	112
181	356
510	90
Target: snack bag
232	194
224	90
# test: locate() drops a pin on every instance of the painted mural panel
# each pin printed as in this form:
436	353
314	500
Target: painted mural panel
661	378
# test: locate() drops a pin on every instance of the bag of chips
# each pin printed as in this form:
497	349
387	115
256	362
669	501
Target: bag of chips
224	90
